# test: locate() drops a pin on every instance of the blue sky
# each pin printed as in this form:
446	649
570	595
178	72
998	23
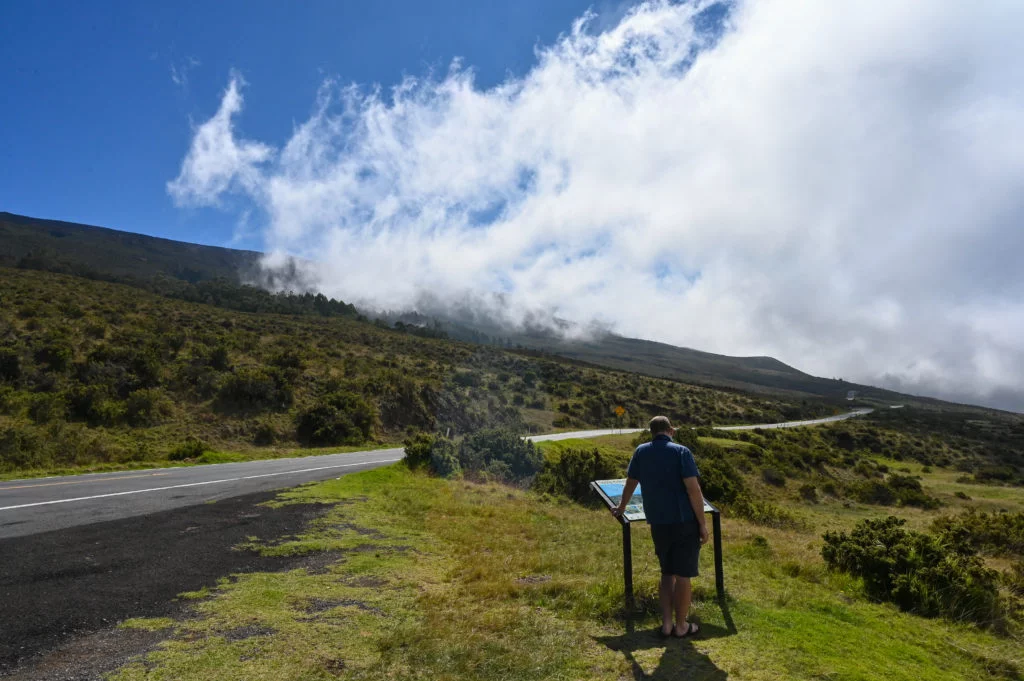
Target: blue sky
93	124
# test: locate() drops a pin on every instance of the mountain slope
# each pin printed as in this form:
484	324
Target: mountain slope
100	253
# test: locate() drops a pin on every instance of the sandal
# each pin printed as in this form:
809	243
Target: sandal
691	630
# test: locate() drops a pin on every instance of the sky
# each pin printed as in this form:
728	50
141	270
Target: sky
837	185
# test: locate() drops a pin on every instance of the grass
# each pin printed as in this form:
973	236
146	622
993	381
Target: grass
412	577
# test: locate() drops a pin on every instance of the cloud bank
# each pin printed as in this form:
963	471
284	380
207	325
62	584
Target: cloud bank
835	184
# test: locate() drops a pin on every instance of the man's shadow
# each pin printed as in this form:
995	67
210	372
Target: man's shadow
680	659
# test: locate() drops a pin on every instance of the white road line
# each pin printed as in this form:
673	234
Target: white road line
192	484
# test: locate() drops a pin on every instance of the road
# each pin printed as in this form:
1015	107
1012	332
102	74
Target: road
45	504
40	505
786	424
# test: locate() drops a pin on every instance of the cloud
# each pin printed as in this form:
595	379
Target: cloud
833	184
179	72
218	162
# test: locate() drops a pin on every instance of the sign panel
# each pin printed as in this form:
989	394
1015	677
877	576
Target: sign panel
611	491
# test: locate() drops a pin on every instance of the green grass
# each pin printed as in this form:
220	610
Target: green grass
437	579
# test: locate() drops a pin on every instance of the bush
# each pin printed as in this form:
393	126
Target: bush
998	534
191	448
46	407
808	492
521	459
264	433
916	571
144	407
339	418
571	473
764	513
773	477
417	450
719	481
444	458
10	364
256	388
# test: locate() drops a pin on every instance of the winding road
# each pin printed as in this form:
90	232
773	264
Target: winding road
43	504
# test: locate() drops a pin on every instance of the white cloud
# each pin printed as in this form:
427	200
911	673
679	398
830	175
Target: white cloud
835	184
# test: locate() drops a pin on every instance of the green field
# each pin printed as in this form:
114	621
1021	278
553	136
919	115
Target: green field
428	578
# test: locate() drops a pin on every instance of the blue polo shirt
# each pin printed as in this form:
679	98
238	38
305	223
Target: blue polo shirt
660	466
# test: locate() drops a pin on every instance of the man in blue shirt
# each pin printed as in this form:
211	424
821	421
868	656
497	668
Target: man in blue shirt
674	506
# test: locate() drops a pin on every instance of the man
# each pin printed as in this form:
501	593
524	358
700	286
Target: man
674	506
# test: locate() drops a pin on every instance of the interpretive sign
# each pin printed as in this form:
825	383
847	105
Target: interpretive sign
610	492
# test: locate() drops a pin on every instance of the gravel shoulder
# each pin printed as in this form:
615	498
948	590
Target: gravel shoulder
62	593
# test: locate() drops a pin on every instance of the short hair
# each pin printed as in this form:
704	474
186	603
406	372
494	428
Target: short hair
660	424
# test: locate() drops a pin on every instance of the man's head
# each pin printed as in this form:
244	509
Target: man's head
660	425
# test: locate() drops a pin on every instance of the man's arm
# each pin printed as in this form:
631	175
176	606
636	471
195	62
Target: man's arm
627	492
697	502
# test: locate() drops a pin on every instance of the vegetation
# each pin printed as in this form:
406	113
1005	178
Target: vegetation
918	572
419	577
95	374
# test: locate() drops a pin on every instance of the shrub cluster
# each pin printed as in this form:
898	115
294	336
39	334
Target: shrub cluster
918	572
492	453
336	419
570	473
997	534
897	489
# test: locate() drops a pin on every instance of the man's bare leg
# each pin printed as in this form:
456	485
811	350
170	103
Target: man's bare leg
666	598
682	594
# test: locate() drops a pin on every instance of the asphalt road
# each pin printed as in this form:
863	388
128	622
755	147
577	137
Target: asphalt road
45	504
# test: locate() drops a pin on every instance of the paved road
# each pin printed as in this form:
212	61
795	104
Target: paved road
44	504
40	505
617	431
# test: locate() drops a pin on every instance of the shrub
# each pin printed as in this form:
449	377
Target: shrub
339	418
417	450
808	492
444	458
908	491
264	433
144	407
916	571
773	477
719	481
571	473
256	388
479	450
10	364
999	534
46	407
764	513
191	448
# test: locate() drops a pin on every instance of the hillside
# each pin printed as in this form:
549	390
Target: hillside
100	253
98	372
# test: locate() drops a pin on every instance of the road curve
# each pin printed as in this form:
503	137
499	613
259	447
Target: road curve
617	431
43	504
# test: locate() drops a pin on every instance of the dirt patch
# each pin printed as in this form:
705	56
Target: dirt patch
89	657
365	582
242	633
63	587
315	606
534	579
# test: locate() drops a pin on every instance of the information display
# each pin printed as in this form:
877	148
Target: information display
611	490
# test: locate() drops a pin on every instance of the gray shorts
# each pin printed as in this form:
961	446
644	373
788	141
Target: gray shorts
678	548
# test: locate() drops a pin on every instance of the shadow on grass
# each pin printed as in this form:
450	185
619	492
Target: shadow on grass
680	659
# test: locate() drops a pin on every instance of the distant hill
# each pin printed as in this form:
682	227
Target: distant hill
101	253
86	250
